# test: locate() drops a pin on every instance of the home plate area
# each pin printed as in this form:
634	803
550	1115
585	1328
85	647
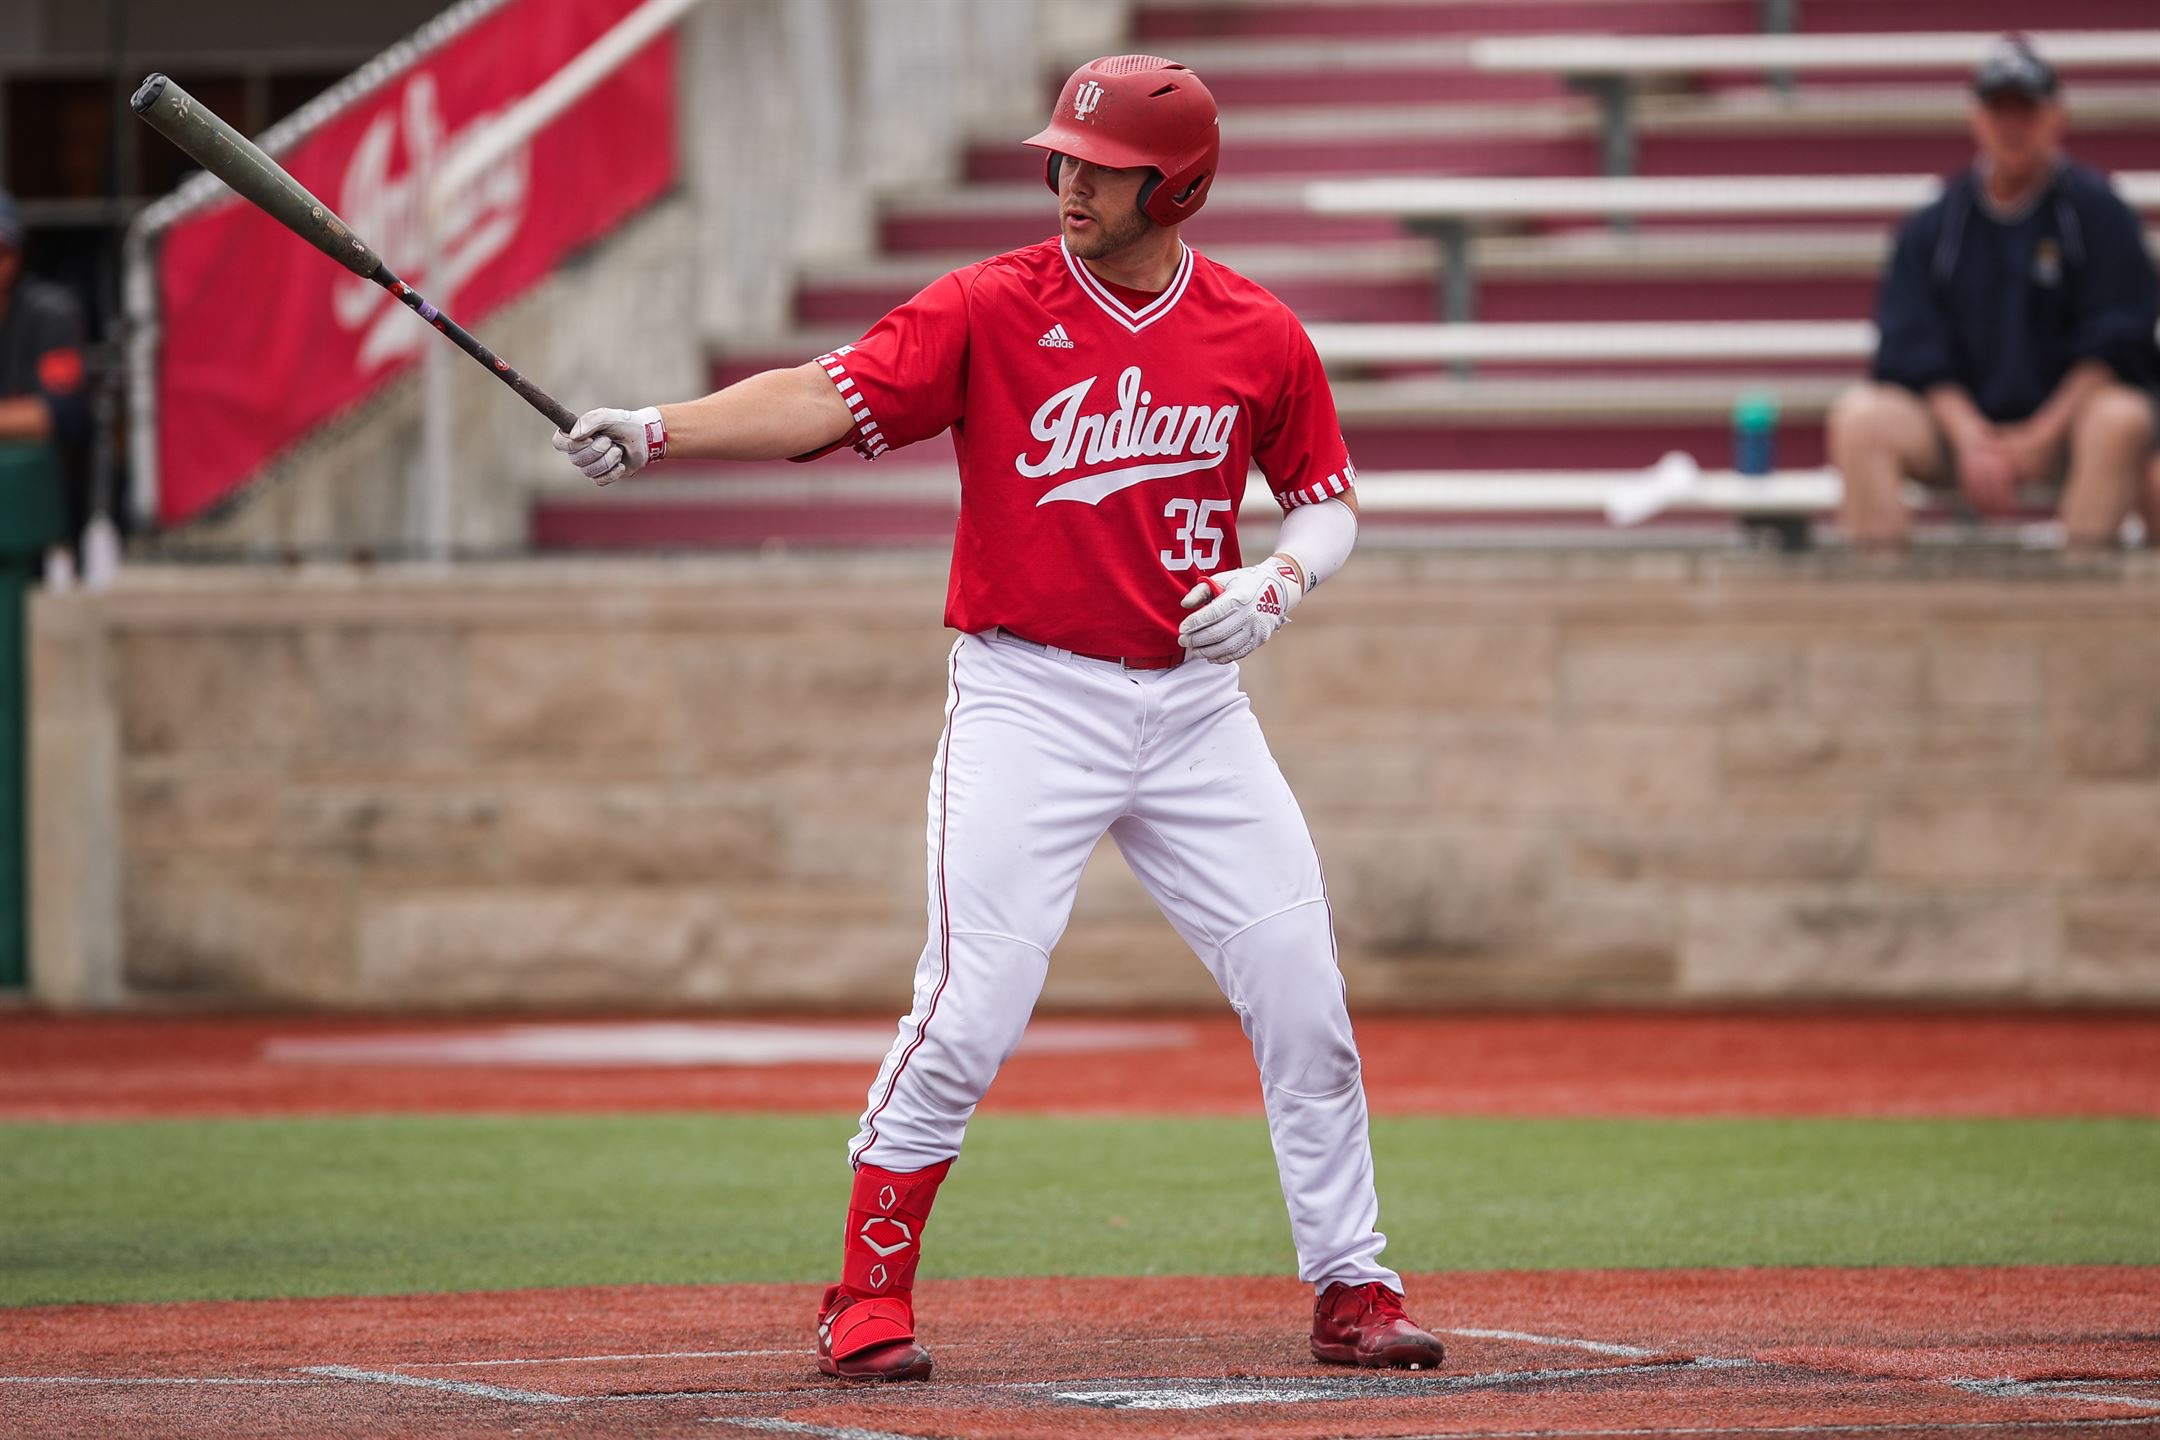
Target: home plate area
2013	1351
1509	1385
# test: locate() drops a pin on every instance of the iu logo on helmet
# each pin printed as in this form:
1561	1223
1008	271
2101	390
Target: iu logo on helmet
1085	99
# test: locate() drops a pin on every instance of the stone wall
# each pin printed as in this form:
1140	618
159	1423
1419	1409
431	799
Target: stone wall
648	783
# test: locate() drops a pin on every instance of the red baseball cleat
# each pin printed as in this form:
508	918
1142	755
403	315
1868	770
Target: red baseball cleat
1365	1325
871	1339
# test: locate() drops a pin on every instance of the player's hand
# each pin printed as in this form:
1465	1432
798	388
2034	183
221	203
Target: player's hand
1236	612
606	445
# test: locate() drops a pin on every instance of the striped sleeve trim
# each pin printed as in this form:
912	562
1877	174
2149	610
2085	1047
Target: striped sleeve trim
1319	490
869	439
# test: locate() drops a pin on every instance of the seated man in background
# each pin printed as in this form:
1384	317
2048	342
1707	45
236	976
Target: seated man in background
42	396
2016	325
41	336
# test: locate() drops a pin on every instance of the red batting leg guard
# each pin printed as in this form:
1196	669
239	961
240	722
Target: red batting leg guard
886	1215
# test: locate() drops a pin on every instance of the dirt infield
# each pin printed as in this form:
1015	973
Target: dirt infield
2025	1351
1904	1352
1576	1064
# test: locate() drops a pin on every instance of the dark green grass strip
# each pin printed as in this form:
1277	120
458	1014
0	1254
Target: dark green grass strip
377	1205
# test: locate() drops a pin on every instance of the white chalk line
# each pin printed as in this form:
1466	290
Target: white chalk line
1595	1347
454	1387
803	1350
776	1426
2001	1389
1867	1427
1185	1393
1264	1389
144	1380
2056	1390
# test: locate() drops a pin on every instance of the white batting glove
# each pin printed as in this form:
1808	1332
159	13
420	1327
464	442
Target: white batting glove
606	445
1247	607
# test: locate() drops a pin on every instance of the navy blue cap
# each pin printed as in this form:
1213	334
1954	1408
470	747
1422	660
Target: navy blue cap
2012	67
11	222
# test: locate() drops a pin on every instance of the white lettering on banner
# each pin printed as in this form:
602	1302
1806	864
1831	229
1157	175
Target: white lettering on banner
389	208
1199	433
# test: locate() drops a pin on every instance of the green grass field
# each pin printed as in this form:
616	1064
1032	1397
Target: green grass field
380	1205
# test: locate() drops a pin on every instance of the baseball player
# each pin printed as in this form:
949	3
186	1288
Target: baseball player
1107	392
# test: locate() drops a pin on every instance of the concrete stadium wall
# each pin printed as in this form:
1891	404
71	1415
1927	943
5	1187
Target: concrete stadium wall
1596	777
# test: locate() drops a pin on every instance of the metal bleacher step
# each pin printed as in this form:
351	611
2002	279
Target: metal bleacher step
1732	149
745	507
1252	78
1373	259
1448	401
988	218
1172	23
1393	286
1166	21
1594	422
1856	129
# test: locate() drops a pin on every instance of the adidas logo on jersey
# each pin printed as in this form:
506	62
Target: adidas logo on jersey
1055	338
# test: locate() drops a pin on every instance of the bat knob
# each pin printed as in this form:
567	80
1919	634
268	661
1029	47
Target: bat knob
146	94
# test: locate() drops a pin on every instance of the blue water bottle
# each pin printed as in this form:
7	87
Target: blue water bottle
1755	432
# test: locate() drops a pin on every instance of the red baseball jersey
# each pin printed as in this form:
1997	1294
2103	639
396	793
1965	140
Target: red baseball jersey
1103	445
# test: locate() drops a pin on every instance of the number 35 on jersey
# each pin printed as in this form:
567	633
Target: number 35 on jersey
1198	542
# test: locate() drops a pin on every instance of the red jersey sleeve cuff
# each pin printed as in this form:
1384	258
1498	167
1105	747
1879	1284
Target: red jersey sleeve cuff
869	439
1319	490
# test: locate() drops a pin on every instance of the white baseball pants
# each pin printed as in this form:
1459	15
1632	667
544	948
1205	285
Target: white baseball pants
1043	752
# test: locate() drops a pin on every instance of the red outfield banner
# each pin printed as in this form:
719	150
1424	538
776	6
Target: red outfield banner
265	338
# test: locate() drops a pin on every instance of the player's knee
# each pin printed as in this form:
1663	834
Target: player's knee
976	1012
959	1057
1311	1053
952	1061
1293	998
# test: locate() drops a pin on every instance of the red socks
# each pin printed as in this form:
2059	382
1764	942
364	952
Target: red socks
886	1213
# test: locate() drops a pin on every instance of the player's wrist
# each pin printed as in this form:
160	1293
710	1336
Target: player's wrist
654	432
1287	577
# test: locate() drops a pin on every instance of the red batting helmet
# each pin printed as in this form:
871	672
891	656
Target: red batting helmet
1134	110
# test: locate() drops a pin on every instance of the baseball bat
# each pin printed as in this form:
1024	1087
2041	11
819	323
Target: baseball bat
234	159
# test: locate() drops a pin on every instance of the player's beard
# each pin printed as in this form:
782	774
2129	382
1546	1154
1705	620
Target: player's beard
1109	239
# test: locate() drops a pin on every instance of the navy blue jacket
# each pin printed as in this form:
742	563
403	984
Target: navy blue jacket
2005	309
41	337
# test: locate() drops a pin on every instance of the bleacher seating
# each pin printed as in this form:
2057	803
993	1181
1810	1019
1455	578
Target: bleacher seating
1338	90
